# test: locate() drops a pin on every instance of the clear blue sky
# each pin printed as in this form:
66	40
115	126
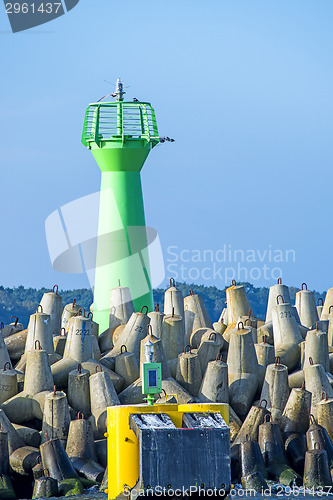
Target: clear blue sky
245	88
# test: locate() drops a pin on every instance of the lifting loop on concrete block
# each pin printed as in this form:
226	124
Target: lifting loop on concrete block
55	288
90	315
7	366
38	460
303	386
248	437
80	416
74	300
119	285
324	395
190	291
321	301
163	394
317	325
248	319
267	418
310	361
277	299
306	286
250	312
79	368
54	391
12	320
157	308
187	348
312	419
123	347
214	336
47	473
47	436
149	330
37	345
98	370
240	323
329	309
39	309
317	446
277	360
63	332
172	282
279	281
144	307
261	403
218	357
264	339
81	312
173	312
233	283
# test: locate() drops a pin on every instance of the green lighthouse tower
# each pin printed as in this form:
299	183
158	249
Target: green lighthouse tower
120	135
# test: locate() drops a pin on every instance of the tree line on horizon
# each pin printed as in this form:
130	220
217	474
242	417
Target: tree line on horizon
22	302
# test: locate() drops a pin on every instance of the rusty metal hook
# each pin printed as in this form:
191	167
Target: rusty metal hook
248	319
265	337
312	419
54	390
310	361
37	345
16	320
172	282
90	315
98	370
121	349
324	395
191	291
210	336
55	287
173	312
267	418
279	281
240	323
79	368
79	417
320	299
63	330
157	308
144	307
306	286
263	401
277	360
81	312
233	283
218	357
186	348
5	366
39	309
277	299
149	329
303	386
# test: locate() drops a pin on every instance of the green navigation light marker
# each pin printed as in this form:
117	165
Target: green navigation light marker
120	135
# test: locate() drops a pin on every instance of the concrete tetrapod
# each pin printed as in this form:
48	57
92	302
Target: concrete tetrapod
207	351
243	369
134	331
271	446
317	436
56	461
52	304
78	393
8	383
80	442
121	307
195	314
39	328
325	414
173	300
189	371
327	304
287	336
275	389
156	320
68	312
127	366
250	458
159	353
265	356
38	379
56	418
12	328
316	471
296	413
316	382
274	292
13	438
218	337
4	355
316	348
306	307
172	335
214	386
15	344
102	395
59	342
237	303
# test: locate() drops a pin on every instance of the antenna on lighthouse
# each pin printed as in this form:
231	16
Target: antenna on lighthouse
119	92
